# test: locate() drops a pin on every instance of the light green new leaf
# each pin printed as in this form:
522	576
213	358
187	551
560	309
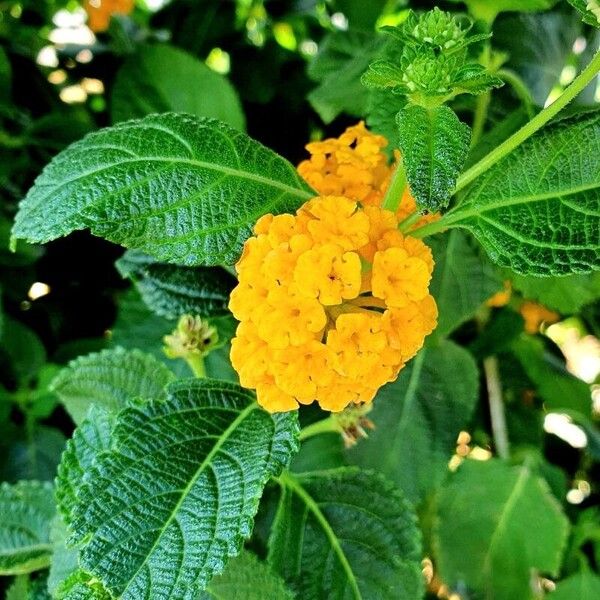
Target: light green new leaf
566	295
81	586
185	85
64	560
462	280
90	438
589	9
495	524
488	9
418	418
184	189
537	211
346	533
26	511
171	291
160	512
246	578
434	145
110	378
581	586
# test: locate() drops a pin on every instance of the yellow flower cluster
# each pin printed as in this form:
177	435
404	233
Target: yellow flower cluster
535	315
100	11
354	166
332	302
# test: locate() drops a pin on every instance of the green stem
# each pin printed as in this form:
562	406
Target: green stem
482	103
393	196
196	363
328	425
578	84
497	416
407	223
520	89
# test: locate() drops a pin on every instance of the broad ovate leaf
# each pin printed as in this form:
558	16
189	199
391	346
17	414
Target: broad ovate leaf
463	279
537	211
495	524
346	533
434	145
171	291
418	418
161	511
110	378
185	189
185	85
26	512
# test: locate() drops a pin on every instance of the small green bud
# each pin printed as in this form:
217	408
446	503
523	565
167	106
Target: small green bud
192	337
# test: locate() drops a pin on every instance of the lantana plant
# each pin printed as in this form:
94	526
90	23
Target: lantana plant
277	439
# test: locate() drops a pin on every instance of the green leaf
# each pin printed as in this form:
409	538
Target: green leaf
566	295
25	587
183	189
342	59
246	578
346	534
537	210
64	560
23	349
110	378
462	280
26	510
179	488
90	438
558	388
581	586
81	586
185	85
418	418
484	9
171	291
589	10
484	538
434	145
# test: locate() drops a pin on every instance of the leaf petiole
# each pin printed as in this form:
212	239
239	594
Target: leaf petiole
328	425
394	193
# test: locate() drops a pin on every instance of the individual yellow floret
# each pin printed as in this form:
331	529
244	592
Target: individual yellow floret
535	315
332	302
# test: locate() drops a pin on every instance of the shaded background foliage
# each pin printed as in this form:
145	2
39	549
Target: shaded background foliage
292	72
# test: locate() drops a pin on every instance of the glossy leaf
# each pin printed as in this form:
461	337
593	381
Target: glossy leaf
589	11
185	85
171	291
110	378
345	533
418	418
484	538
434	145
183	189
159	513
537	210
26	511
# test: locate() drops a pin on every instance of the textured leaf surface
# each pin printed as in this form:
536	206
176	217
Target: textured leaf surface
89	439
185	85
346	534
26	510
183	189
566	295
110	378
81	586
171	291
581	586
462	280
159	513
246	578
484	535
418	418
538	210
434	145
64	560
